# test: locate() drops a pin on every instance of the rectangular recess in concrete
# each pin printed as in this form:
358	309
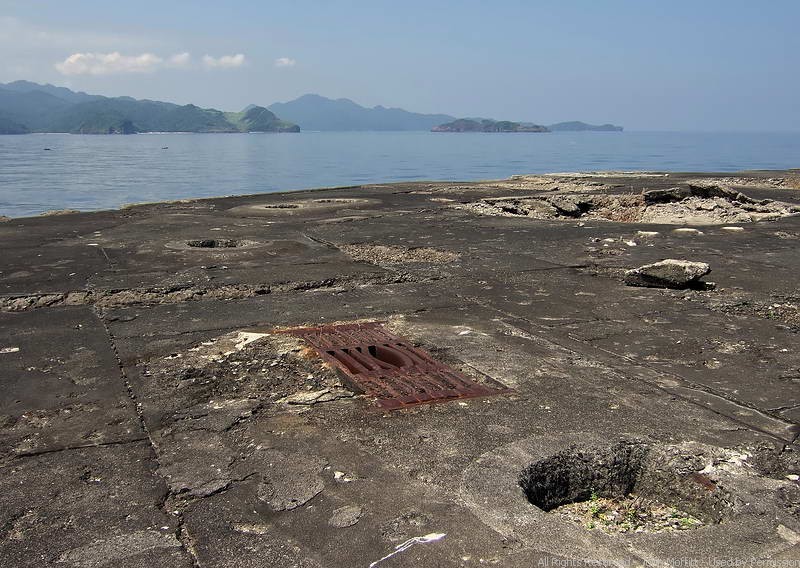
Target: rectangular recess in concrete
388	367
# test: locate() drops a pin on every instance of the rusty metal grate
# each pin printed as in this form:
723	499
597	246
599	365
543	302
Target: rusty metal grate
388	367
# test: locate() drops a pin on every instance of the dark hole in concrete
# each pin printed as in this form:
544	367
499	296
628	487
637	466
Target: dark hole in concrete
213	243
621	470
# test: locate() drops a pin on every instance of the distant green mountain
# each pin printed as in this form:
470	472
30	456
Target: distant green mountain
8	126
487	125
29	107
577	126
36	110
314	112
58	92
258	119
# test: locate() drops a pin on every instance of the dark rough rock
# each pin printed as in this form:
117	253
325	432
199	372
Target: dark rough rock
669	273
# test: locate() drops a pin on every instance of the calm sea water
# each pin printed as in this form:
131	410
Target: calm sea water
101	172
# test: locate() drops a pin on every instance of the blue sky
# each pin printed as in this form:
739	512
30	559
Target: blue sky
646	64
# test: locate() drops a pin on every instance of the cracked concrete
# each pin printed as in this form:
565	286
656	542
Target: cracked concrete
150	417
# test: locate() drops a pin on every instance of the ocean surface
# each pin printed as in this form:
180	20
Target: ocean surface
102	172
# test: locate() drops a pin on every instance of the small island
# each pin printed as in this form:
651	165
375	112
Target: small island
486	125
578	126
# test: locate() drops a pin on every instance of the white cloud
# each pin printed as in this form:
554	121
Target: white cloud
116	63
180	60
108	63
224	62
285	62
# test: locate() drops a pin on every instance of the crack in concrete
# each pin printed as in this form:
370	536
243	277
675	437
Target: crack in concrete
237	422
791	429
177	502
174	503
554	267
79	447
783	408
154	453
178	294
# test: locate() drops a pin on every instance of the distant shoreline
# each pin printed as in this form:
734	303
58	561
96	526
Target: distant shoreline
323	132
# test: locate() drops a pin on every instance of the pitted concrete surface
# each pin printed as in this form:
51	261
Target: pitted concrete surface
149	416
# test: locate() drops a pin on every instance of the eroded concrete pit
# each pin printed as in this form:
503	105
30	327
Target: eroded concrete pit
628	486
633	499
301	206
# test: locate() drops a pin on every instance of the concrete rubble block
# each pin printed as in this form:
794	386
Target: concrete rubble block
669	273
570	205
666	195
673	194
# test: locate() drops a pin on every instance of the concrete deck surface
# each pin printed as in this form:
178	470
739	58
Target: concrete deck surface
145	404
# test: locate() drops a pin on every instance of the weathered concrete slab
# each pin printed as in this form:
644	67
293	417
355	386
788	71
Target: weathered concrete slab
87	507
151	416
61	384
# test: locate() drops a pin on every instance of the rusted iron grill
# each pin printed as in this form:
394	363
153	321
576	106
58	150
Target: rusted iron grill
388	367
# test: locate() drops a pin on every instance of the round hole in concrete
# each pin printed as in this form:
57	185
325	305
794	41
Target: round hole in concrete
336	201
311	206
213	243
627	486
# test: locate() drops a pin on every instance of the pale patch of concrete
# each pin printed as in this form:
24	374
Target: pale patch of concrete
346	516
103	552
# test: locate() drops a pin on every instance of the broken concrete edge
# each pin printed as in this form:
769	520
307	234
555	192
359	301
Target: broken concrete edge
691	204
309	398
694	190
733	179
